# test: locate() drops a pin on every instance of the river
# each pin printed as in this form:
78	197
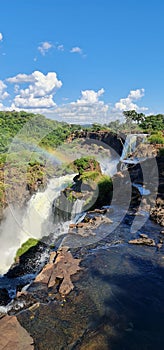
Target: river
118	297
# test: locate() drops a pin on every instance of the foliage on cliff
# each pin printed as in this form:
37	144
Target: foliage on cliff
24	137
156	138
11	124
90	184
31	242
86	164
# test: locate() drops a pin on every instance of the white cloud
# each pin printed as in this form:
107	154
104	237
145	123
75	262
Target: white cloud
33	102
90	97
3	94
1	37
87	109
136	94
35	93
128	104
39	94
60	47
76	49
44	47
21	78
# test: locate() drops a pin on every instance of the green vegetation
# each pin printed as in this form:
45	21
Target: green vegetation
105	191
89	176
85	163
156	138
38	129
153	122
105	188
91	185
138	122
26	139
31	242
146	123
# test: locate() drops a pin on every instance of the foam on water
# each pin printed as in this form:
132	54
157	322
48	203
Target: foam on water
33	221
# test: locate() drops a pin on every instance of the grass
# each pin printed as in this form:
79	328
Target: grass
31	242
90	175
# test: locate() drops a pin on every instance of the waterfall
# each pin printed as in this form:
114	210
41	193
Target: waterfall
109	166
33	221
77	211
131	144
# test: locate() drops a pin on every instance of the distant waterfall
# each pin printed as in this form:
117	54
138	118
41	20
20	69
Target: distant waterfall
131	144
32	221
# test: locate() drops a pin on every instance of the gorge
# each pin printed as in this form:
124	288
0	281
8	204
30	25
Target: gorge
118	293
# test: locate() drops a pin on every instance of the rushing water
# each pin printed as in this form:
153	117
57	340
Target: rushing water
131	143
119	298
34	221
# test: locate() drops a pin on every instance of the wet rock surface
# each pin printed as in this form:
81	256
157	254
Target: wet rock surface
29	262
61	269
153	181
115	301
157	213
117	296
114	295
4	297
13	335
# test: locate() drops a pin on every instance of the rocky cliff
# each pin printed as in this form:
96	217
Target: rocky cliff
115	141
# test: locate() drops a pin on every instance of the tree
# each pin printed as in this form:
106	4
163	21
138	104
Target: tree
133	116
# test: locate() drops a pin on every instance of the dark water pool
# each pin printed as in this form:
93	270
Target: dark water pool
117	302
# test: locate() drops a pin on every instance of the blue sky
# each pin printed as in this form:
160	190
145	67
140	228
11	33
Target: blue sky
80	60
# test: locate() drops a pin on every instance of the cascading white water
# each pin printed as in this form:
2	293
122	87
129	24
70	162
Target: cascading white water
130	144
34	220
109	167
77	210
18	226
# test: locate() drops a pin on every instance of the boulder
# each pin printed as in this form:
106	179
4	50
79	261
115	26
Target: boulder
62	269
143	241
13	335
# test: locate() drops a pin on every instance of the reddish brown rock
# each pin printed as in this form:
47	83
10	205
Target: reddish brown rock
63	268
13	336
52	257
45	274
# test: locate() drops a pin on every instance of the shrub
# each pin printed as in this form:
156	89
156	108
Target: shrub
90	175
105	187
84	163
105	191
156	139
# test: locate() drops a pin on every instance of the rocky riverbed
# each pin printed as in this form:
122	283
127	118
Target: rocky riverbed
98	287
117	295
